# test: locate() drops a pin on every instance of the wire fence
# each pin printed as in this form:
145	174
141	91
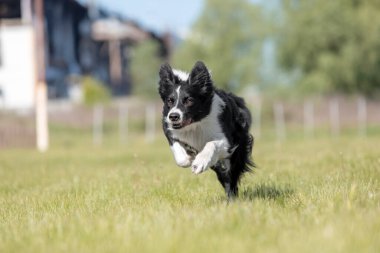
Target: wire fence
131	117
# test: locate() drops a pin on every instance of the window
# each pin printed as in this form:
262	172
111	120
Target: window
10	9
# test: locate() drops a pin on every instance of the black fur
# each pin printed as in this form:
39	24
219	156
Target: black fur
234	119
199	87
236	122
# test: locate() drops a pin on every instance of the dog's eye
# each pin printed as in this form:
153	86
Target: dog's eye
170	101
188	101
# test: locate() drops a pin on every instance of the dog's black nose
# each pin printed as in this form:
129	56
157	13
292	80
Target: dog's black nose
174	116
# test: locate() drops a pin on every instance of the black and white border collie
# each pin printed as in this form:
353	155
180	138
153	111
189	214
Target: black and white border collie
206	127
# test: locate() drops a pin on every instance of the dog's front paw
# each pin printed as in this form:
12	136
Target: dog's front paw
200	163
184	162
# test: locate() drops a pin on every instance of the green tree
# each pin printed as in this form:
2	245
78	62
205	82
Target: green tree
144	69
94	91
227	38
335	44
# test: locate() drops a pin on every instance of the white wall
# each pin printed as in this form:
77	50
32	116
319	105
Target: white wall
17	69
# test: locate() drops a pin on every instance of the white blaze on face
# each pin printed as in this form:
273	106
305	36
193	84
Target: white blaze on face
175	108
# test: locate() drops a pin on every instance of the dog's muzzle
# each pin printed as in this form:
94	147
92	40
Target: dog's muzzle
175	120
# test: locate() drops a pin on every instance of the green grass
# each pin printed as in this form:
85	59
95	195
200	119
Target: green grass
316	195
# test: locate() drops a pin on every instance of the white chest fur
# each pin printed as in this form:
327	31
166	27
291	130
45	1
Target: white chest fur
206	130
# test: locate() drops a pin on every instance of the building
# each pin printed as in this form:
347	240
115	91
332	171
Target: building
17	61
80	40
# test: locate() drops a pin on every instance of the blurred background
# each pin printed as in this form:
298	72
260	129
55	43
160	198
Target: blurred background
86	71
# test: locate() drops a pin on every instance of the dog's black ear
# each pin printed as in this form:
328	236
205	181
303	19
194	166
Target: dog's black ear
166	73
200	75
166	80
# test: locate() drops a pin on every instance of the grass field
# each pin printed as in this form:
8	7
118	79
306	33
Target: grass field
318	195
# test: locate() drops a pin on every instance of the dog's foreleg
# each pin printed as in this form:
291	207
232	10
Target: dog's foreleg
212	152
180	155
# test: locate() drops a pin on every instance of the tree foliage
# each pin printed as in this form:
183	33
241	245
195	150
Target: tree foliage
144	69
335	44
226	37
94	91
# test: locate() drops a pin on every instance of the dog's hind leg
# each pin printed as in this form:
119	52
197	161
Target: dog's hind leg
222	170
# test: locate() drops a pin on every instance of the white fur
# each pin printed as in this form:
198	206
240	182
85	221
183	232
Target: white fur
184	76
175	108
181	157
207	137
181	75
210	155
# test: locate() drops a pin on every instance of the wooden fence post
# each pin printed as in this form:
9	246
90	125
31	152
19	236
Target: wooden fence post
98	125
279	121
308	119
150	123
123	123
257	119
362	117
334	117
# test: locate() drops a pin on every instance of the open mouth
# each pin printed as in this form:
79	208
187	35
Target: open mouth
181	124
176	125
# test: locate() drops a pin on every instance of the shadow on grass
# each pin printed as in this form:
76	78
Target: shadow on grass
267	192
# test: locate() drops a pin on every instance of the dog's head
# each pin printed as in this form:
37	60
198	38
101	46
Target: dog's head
187	97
